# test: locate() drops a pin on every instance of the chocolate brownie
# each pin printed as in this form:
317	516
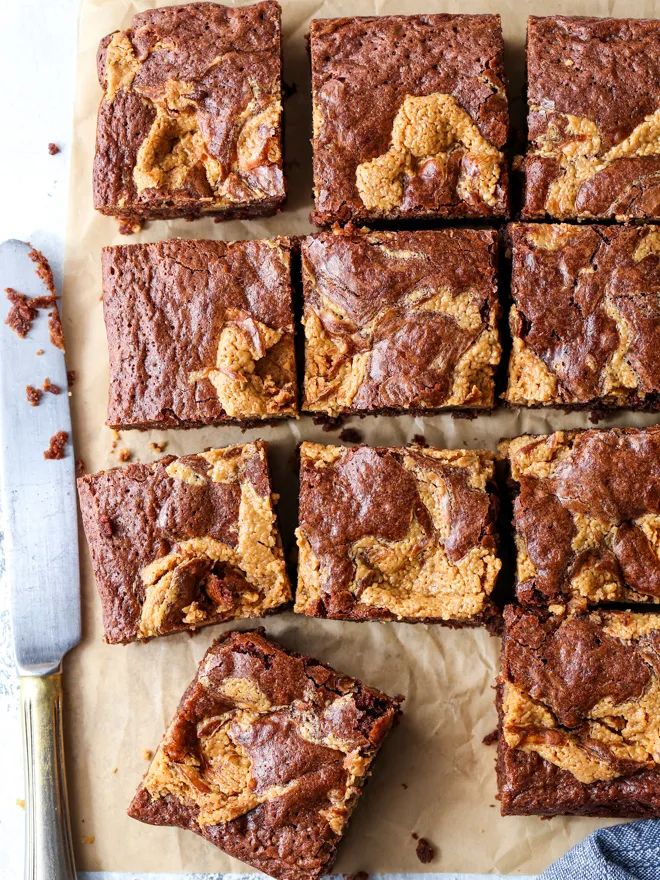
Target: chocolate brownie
266	756
579	707
400	320
402	534
594	118
587	516
190	118
585	319
410	117
184	542
199	333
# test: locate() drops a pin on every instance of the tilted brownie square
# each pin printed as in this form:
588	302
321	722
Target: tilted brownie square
579	708
190	118
400	320
199	333
410	117
593	88
587	516
585	319
266	756
184	542
397	533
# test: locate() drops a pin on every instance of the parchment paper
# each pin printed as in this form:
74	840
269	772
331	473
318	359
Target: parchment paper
435	777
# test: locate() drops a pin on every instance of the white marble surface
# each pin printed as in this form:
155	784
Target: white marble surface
36	68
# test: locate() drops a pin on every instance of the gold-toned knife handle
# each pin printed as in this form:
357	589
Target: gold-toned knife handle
48	847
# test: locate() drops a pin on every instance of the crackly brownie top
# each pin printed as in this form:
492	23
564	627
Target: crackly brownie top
277	739
184	541
395	533
587	515
594	116
191	108
583	692
400	319
586	315
199	332
410	116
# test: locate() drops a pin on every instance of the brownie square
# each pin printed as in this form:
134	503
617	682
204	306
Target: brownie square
400	320
410	117
266	756
585	319
199	333
594	118
587	516
184	542
579	709
190	118
403	534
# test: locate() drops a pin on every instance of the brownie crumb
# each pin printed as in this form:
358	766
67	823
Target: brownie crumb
71	378
147	754
329	423
490	738
158	445
55	328
425	851
81	469
43	270
351	435
33	395
56	446
89	839
420	440
129	227
51	387
124	454
53	149
39	352
404	785
22	312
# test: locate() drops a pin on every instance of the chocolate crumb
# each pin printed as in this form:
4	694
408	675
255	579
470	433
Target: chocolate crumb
420	440
490	738
53	149
81	470
56	447
425	851
158	445
33	395
415	836
71	377
51	387
350	435
404	785
329	423
124	454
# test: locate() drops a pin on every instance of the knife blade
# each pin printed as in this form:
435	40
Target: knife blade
38	502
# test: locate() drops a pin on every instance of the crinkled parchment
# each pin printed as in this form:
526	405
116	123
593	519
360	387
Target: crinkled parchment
434	777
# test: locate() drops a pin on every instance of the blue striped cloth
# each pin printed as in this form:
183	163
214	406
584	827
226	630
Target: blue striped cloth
621	852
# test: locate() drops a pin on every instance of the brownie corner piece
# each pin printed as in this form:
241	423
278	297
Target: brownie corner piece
404	534
400	321
594	134
410	118
266	756
190	118
578	705
587	517
199	333
584	316
184	542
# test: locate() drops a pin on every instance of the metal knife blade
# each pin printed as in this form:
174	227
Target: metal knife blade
38	497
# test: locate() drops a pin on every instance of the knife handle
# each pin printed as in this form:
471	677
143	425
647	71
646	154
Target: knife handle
48	846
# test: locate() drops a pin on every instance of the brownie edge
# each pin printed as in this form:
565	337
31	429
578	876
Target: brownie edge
266	756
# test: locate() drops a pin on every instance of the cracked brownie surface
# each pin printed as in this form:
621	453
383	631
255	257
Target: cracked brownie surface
400	320
190	119
396	534
199	333
410	117
594	118
587	516
184	542
266	756
585	318
579	708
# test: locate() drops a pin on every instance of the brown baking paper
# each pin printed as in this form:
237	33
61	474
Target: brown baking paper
435	777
